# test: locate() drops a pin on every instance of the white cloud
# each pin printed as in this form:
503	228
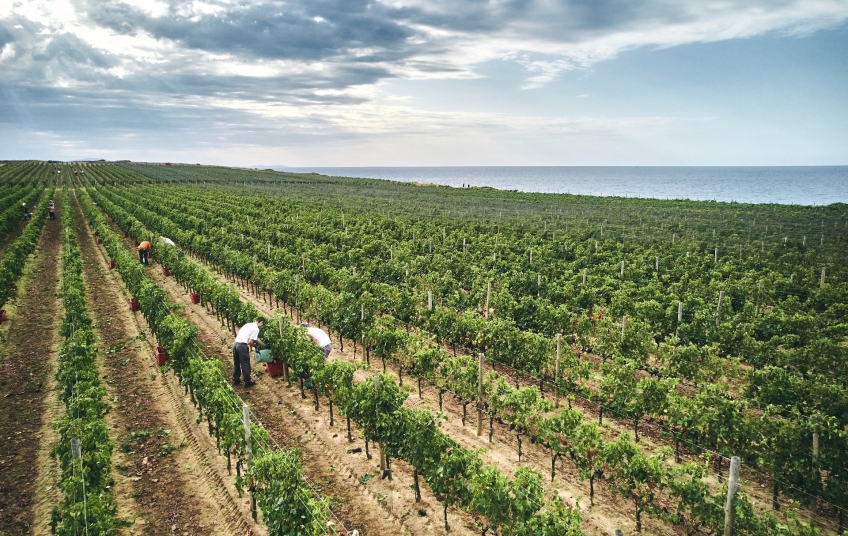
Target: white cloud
169	57
7	52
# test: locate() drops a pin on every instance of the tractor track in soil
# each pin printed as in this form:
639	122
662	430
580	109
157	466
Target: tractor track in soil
28	405
376	507
180	492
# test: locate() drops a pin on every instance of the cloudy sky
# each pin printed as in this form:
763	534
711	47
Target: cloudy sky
426	82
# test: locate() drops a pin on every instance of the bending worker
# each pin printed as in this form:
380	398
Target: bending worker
320	337
144	252
247	336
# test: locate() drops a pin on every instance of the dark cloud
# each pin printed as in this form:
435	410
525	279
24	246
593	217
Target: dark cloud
313	31
5	35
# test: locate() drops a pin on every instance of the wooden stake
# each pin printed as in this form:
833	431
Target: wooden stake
245	412
556	370
718	309
680	311
377	419
584	276
816	473
716	255
480	394
488	295
732	487
622	268
429	300
656	264
821	283
623	324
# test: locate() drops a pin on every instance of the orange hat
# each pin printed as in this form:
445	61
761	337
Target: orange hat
144	245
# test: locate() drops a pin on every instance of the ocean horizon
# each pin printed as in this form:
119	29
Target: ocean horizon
796	185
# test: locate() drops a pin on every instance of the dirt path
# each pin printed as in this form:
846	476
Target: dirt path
28	364
165	479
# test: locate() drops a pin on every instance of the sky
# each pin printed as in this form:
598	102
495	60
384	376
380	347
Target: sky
426	82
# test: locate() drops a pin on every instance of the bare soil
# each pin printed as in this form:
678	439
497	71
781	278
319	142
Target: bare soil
28	363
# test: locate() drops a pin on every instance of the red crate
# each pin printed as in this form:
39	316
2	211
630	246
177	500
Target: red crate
2	315
274	368
111	263
161	356
166	272
195	297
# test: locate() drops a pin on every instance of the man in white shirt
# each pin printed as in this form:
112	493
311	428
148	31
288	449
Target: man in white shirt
320	337
247	336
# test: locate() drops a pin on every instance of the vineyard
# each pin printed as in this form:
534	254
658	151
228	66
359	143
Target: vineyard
503	363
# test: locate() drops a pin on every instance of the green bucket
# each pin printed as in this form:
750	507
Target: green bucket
263	356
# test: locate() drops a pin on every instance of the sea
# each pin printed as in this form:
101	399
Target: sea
802	185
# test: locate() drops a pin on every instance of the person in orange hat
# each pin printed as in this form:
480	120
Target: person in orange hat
144	251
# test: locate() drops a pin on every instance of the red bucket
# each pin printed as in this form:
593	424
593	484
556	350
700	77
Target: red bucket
134	305
126	234
166	272
111	264
136	243
2	315
161	356
99	241
274	368
195	297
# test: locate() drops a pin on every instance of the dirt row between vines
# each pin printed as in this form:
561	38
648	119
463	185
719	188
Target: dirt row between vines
336	468
28	397
168	478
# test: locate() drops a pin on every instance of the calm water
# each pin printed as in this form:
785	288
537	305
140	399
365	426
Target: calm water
819	185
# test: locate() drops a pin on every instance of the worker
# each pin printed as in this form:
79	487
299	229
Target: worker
26	214
52	210
144	252
319	337
246	337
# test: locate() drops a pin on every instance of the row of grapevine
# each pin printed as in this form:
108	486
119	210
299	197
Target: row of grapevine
87	506
272	475
15	255
22	182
